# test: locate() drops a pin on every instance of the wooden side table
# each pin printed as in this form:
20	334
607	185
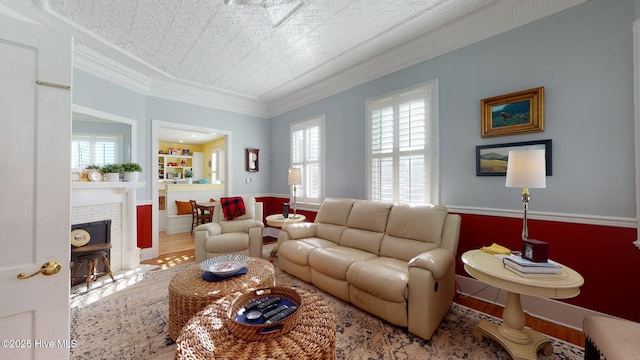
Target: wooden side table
521	343
277	220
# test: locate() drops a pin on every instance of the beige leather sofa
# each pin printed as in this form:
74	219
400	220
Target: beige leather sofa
242	235
396	262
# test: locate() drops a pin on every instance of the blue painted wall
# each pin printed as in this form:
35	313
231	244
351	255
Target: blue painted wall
583	57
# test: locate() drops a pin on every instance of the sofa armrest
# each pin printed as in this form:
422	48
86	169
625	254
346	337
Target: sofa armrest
254	224
210	229
300	230
438	261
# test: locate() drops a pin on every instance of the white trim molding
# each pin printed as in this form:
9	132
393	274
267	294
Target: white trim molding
548	216
636	103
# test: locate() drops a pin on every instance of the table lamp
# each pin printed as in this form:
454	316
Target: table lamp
295	178
526	169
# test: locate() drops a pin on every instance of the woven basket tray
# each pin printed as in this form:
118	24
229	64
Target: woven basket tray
254	332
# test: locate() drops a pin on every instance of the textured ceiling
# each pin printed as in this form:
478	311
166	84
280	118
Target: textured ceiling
264	50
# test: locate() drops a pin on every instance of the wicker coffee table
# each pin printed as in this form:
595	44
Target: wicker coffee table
206	335
188	293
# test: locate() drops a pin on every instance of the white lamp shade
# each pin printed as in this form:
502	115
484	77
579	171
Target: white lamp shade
295	177
526	169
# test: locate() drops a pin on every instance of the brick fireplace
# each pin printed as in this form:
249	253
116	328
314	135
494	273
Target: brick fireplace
98	201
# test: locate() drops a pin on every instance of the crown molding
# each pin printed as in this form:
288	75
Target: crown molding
199	95
488	21
172	89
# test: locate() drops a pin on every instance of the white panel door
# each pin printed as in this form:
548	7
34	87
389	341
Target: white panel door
35	138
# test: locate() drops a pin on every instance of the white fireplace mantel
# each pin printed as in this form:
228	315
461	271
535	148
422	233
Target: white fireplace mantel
101	193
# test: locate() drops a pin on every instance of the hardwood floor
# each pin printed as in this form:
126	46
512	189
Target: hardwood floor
178	249
174	250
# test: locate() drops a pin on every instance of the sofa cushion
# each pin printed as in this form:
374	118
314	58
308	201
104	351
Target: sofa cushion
369	215
382	277
403	249
334	211
298	252
335	261
366	225
403	219
184	207
362	240
330	232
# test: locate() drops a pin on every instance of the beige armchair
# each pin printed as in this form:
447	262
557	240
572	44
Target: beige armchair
242	235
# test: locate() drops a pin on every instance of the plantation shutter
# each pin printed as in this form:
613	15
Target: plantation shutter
399	146
306	154
95	150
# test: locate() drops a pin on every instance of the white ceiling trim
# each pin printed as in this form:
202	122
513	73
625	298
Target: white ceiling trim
491	20
101	66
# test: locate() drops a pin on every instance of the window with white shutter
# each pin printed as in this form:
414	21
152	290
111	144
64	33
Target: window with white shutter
402	146
95	150
307	153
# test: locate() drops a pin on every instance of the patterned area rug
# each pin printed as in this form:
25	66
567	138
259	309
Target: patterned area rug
129	321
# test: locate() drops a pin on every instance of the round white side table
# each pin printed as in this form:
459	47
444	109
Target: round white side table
521	343
277	220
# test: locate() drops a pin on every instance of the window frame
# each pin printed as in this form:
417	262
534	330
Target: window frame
431	150
302	196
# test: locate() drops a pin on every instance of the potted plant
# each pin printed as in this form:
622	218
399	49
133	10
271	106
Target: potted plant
112	172
131	171
188	174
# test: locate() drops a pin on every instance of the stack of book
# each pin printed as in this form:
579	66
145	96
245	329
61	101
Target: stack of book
526	268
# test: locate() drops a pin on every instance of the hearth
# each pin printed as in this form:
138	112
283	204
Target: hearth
99	233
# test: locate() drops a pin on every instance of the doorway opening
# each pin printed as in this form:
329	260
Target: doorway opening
171	174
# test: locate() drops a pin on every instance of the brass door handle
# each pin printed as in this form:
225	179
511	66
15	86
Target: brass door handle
48	268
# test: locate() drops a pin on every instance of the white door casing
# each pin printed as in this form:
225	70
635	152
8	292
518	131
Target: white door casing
35	138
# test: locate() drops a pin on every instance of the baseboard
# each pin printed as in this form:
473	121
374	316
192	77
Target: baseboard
547	309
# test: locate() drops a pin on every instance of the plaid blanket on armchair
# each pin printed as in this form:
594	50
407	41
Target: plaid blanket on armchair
232	207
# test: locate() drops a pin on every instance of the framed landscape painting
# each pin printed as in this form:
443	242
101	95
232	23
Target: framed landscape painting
521	112
491	160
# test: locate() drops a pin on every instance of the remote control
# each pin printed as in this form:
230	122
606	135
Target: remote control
270	307
254	303
281	315
270	314
271	301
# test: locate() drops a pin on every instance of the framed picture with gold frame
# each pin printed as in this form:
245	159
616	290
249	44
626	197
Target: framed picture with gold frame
252	160
517	113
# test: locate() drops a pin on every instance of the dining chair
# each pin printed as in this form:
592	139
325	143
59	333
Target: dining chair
199	215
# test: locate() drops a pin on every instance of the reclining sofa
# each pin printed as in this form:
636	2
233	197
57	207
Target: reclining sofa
396	262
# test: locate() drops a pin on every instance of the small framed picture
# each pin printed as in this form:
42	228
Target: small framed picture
491	160
252	160
517	113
